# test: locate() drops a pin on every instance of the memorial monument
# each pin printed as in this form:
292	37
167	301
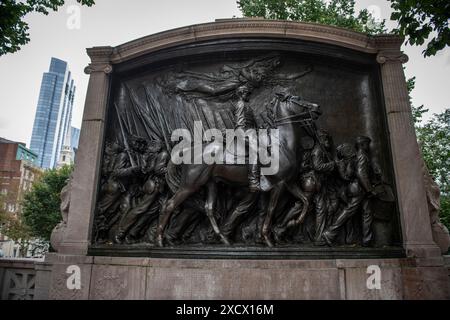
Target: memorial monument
247	159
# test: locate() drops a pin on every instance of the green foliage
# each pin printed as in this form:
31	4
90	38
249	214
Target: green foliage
12	226
41	205
13	30
434	138
340	13
417	112
418	19
444	214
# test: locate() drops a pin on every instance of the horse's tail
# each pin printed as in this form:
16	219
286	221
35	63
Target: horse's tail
173	176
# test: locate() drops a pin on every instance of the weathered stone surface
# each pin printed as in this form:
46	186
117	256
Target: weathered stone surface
59	276
439	231
43	276
117	283
17	279
84	188
242	283
426	283
390	286
406	155
245	28
58	284
147	278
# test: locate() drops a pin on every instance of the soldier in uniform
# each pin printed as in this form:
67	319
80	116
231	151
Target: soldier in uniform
112	189
244	120
323	166
119	190
355	168
154	168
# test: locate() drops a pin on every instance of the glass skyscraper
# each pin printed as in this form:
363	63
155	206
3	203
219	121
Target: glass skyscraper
53	114
74	139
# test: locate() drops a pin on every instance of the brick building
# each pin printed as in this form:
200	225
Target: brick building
17	172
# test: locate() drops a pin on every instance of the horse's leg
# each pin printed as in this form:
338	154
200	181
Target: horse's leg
168	208
209	208
243	207
297	192
274	196
264	203
282	227
183	219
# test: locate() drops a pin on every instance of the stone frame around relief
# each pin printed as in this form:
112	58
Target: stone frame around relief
313	51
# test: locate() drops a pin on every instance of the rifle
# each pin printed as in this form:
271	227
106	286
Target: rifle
125	142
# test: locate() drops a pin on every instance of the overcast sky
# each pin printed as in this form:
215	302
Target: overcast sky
112	22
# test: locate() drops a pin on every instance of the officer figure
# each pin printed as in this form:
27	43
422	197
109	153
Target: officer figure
244	119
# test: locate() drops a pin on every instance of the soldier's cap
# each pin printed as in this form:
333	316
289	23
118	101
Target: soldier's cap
244	88
345	150
136	138
361	139
283	95
322	133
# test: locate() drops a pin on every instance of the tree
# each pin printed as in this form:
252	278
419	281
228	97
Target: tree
434	138
12	226
41	205
419	19
13	28
15	229
340	13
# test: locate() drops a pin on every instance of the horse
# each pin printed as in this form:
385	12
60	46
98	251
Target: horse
294	118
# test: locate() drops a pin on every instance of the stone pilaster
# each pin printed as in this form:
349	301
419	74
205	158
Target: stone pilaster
414	216
84	184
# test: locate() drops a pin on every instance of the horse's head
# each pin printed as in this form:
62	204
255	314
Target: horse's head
293	109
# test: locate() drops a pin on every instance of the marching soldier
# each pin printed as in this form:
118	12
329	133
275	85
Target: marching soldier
355	168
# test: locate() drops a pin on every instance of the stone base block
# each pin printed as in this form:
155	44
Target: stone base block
153	279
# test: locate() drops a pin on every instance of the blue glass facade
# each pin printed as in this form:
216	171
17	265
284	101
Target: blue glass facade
74	139
53	113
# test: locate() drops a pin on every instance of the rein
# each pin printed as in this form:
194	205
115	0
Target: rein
290	119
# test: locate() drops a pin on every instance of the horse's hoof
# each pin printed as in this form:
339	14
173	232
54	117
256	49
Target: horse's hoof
268	242
278	233
171	241
291	224
129	240
320	243
159	241
225	240
326	239
118	239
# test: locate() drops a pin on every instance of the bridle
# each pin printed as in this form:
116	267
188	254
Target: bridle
292	119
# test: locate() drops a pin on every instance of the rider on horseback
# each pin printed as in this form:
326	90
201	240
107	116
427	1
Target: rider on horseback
245	120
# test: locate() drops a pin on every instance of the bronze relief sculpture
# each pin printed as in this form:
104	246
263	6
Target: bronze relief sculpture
318	195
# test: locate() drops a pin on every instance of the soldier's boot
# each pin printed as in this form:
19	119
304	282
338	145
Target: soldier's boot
119	238
253	178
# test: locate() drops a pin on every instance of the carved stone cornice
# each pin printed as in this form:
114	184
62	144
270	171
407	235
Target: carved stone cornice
100	60
391	56
98	67
388	42
248	28
100	54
